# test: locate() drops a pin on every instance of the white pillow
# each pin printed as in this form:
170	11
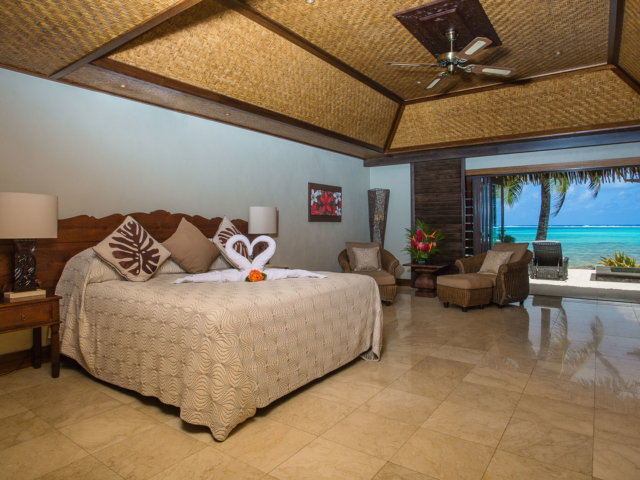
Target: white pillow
494	260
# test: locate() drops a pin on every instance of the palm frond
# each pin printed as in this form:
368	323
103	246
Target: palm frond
513	191
561	186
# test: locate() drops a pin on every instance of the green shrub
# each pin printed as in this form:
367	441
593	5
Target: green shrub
509	239
618	260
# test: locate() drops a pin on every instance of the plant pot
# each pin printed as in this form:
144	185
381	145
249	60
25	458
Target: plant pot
422	261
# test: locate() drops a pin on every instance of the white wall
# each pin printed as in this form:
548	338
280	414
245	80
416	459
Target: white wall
103	154
396	178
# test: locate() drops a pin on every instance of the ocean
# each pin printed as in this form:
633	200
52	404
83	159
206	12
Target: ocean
584	244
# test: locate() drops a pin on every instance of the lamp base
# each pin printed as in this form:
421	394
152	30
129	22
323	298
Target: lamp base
24	266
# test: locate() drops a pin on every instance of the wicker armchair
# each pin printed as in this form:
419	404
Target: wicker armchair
548	263
511	284
389	263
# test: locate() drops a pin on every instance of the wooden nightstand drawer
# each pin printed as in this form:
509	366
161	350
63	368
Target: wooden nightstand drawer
23	316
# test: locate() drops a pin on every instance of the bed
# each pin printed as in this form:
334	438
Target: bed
216	351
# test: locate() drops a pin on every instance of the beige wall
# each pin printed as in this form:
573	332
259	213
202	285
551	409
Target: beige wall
102	154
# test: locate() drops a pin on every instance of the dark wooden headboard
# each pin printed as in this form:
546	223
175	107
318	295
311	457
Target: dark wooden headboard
79	233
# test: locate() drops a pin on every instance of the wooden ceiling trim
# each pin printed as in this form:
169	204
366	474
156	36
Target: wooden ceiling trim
149	77
126	37
627	79
512	83
22	70
616	19
587	139
555	167
394	127
301	42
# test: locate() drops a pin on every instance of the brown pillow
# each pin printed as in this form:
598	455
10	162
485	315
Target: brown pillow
352	258
134	253
518	249
191	249
226	230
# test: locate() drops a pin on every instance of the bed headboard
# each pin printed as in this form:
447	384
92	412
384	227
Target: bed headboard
79	233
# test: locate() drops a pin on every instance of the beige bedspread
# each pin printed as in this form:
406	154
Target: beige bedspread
216	350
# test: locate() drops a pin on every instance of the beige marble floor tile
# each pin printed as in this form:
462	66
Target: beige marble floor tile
520	350
75	409
391	471
210	464
506	466
58	392
309	413
39	456
149	452
371	434
420	383
20	428
472	341
371	373
89	468
617	427
549	445
512	381
264	443
443	456
555	389
442	368
9	407
619	401
615	461
411	346
401	357
556	413
468	423
155	409
108	428
458	354
565	371
199	432
121	394
352	394
511	363
27	377
323	459
482	397
401	406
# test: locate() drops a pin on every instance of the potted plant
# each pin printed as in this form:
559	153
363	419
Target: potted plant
423	245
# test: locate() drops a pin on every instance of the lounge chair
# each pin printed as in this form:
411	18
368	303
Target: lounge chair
385	278
548	263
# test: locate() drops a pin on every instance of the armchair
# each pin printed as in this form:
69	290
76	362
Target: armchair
385	278
548	262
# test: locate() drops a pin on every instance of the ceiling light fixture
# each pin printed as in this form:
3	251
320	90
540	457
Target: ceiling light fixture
310	1
558	52
123	86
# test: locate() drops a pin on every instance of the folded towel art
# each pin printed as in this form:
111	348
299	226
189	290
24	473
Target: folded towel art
247	266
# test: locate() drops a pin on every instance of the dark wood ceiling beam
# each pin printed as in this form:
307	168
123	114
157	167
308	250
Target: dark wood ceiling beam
305	44
117	42
616	19
624	76
145	76
394	127
589	138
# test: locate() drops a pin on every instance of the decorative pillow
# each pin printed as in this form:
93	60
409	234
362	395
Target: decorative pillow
191	249
220	264
518	249
226	230
352	259
134	253
493	260
366	259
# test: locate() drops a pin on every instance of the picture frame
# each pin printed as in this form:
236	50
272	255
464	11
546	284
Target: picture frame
324	203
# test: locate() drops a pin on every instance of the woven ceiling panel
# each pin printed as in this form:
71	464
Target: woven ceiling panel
629	58
137	90
222	51
44	36
567	101
363	34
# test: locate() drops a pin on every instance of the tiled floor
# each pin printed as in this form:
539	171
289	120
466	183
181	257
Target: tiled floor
551	390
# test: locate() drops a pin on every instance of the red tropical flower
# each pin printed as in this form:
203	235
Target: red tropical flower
418	236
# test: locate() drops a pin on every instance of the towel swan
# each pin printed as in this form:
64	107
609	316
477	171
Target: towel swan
245	265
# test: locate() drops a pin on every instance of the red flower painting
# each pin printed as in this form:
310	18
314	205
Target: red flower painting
325	203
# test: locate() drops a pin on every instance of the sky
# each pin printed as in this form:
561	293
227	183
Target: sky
617	204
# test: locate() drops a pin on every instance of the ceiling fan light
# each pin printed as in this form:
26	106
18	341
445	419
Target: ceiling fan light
433	83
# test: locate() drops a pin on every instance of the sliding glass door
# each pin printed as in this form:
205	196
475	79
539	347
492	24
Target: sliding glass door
488	213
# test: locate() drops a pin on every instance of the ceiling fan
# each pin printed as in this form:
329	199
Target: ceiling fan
454	61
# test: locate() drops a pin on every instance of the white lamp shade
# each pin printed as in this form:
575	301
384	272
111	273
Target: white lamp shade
28	215
263	220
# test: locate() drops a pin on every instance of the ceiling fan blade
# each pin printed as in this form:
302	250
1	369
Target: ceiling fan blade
486	69
435	81
476	46
402	64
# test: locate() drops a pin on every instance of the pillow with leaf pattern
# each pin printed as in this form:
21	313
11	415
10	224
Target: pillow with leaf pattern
134	253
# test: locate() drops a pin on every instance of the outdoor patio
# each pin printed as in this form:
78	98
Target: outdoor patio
580	285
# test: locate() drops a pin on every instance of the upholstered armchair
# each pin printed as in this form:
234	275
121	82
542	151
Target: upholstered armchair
385	278
469	288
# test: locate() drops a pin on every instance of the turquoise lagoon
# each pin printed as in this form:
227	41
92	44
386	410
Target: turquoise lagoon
584	244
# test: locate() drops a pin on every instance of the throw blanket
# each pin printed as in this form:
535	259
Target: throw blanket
217	351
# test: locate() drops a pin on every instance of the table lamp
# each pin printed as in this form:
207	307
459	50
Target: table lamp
262	221
24	217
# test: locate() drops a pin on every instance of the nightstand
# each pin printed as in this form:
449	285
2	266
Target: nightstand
35	313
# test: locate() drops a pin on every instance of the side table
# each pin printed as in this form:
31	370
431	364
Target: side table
426	282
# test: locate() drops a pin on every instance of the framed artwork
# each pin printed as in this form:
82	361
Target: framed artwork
325	203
